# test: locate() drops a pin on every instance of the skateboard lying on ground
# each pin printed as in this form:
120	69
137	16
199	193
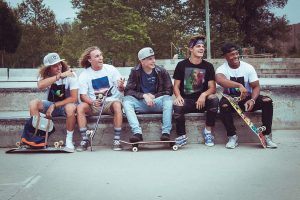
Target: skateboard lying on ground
174	144
58	148
256	130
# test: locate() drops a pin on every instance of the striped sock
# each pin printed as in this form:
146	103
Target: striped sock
83	133
117	135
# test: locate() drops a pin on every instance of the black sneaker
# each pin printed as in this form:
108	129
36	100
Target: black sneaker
165	137
136	138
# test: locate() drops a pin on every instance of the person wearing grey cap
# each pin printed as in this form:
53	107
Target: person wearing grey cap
239	78
195	88
61	87
149	90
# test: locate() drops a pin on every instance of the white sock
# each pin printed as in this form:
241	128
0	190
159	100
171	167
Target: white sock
207	131
69	137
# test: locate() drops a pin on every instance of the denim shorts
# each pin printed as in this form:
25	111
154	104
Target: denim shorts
56	112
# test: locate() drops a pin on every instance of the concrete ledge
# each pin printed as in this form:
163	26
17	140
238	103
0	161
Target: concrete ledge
3	74
11	128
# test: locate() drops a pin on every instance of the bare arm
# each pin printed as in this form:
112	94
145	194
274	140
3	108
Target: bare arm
44	83
225	83
179	100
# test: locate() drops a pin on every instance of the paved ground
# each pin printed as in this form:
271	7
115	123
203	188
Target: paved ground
194	172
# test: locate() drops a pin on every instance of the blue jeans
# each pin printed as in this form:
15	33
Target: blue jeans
163	104
56	112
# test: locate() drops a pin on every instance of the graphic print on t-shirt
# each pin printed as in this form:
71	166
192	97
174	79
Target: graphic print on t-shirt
56	93
234	91
148	82
100	85
193	80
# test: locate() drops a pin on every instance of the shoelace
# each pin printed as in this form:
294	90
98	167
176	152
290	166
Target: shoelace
116	142
208	137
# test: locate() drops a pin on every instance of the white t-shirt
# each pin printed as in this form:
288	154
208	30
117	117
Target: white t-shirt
244	74
60	90
92	82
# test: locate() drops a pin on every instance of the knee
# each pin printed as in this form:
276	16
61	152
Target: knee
225	108
127	102
70	109
116	107
167	101
34	103
178	111
214	102
81	108
267	99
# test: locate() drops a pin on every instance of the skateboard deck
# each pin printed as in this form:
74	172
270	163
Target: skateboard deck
256	130
174	144
27	149
42	150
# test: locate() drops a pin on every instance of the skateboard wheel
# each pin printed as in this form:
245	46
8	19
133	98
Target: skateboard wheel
260	129
18	144
175	147
56	144
135	149
100	96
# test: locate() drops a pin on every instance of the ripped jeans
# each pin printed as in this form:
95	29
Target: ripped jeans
263	103
211	108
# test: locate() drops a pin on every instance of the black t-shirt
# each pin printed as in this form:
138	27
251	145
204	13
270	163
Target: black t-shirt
194	78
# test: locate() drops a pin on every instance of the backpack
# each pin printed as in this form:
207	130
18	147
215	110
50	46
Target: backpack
36	131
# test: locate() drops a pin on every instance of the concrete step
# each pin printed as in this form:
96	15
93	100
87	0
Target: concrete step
272	75
12	123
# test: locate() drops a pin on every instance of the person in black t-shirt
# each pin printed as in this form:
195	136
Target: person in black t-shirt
195	88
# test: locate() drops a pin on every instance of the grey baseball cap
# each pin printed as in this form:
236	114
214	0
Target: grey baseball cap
145	53
52	59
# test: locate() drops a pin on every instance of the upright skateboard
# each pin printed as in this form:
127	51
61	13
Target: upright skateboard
102	96
256	130
174	144
58	148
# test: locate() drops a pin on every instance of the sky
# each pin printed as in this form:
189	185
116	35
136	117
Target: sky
64	11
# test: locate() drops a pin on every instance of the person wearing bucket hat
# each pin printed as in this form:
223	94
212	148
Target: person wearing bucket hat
195	88
239	78
95	79
149	90
61	90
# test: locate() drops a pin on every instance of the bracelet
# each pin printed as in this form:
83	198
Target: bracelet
54	105
252	101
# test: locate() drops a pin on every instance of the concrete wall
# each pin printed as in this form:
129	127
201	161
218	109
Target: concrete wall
11	129
286	67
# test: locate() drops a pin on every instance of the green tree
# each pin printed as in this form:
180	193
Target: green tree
39	33
74	41
166	23
10	31
117	29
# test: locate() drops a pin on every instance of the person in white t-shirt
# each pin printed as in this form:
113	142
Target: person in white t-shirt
61	93
239	78
94	79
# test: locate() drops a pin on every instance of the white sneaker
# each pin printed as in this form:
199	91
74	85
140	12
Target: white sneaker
70	145
270	143
232	142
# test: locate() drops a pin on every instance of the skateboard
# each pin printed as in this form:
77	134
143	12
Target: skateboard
174	144
102	97
58	148
256	130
